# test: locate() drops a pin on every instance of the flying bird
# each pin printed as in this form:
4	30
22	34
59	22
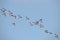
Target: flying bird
19	16
30	23
13	24
56	36
10	13
50	33
36	23
13	16
4	14
46	31
41	26
27	18
3	9
41	20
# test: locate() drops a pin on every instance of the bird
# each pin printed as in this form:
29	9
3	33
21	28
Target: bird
13	16
40	20
36	23
27	18
19	16
41	26
50	33
3	9
30	23
46	31
13	24
56	36
10	13
4	14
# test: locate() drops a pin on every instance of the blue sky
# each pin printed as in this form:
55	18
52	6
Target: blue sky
35	9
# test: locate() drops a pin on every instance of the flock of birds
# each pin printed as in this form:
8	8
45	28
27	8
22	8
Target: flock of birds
39	22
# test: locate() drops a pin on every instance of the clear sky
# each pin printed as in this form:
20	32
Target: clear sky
49	10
